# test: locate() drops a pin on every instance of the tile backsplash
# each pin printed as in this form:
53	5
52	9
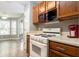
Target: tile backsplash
63	25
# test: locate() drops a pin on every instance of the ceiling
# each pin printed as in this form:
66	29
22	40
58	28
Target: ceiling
12	8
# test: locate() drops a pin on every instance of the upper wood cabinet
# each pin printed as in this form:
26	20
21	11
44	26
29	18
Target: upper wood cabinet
68	8
78	6
64	9
35	15
42	7
50	5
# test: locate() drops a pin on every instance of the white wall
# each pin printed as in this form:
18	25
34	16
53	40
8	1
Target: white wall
32	26
26	22
28	26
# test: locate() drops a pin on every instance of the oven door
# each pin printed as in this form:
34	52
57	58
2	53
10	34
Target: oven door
38	49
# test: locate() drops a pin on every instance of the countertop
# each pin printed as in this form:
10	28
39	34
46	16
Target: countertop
66	40
34	32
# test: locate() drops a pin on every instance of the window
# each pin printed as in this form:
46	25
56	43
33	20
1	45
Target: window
13	27
7	28
21	27
4	27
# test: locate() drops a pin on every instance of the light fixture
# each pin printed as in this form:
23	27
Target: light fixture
4	17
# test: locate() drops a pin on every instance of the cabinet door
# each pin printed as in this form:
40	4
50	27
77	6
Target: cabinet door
78	6
42	7
53	53
66	49
28	45
68	8
50	5
35	15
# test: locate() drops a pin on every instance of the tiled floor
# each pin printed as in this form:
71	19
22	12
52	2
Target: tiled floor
11	49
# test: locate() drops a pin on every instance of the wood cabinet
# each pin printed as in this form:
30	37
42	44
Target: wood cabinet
35	15
65	10
42	7
68	8
46	6
62	50
28	45
78	6
54	53
40	11
50	5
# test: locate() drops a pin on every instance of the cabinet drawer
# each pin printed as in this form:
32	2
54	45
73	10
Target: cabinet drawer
53	53
69	50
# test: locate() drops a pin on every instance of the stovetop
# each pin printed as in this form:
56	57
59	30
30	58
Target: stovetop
45	35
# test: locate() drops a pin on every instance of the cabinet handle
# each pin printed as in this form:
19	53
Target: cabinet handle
46	15
60	48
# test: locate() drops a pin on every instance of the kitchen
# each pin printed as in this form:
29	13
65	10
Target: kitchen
57	29
39	28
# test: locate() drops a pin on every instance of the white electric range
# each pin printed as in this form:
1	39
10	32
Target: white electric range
39	42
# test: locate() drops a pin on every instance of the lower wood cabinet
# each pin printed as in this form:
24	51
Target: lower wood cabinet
28	45
62	50
54	53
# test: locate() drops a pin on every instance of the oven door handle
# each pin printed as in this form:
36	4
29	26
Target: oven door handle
38	44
